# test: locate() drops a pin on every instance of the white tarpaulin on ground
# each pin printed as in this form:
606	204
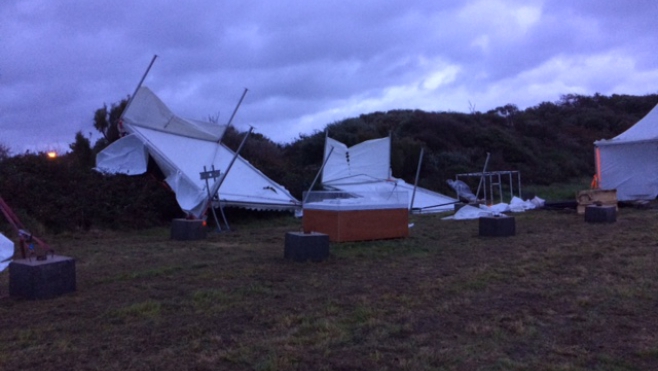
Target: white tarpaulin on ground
181	148
516	205
628	163
6	251
469	212
365	168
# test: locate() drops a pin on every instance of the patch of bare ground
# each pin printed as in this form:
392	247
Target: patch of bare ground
560	295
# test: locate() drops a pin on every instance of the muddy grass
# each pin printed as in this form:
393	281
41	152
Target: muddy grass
560	295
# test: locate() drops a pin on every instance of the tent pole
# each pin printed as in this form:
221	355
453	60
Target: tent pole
138	86
221	210
324	147
236	108
324	151
390	140
215	187
482	179
317	176
420	163
433	206
219	228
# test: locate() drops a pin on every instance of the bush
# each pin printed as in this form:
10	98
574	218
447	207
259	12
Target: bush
62	195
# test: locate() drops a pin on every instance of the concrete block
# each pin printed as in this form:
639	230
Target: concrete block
42	279
187	229
301	246
601	214
497	226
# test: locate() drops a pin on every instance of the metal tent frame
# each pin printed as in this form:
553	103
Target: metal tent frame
493	182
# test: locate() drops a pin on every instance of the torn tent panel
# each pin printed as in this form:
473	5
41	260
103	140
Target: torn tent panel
370	158
127	155
190	198
365	168
146	110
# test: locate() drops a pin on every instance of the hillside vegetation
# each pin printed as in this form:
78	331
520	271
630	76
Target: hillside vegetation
547	143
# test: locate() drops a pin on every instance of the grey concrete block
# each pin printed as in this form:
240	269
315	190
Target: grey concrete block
187	229
42	279
601	214
497	226
301	246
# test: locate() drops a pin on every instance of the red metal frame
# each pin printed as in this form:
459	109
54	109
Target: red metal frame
25	237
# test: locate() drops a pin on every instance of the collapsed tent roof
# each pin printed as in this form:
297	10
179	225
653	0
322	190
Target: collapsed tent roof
627	162
365	168
183	149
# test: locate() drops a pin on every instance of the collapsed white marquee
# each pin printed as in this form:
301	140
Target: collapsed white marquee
181	148
365	168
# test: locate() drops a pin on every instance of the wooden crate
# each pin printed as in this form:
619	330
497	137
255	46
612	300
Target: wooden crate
357	225
596	197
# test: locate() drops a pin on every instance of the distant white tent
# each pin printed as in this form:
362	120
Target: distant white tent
6	251
629	161
181	148
365	168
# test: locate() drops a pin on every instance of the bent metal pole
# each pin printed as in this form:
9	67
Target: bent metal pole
218	183
235	110
482	179
139	85
317	176
420	163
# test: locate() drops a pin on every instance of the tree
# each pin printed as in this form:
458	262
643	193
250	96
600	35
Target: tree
508	111
81	151
107	121
4	151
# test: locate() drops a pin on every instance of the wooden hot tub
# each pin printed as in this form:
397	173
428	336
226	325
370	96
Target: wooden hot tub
356	219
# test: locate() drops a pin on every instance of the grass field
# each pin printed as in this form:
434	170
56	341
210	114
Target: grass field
560	295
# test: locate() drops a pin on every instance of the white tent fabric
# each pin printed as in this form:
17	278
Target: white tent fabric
516	205
365	168
6	251
369	158
469	212
628	163
127	155
182	148
148	111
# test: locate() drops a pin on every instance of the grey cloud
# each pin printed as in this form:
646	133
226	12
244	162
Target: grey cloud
298	58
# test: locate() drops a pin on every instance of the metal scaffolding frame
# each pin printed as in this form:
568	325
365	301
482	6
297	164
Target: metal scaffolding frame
493	180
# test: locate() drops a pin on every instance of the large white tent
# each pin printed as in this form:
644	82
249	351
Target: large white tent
182	148
629	161
365	168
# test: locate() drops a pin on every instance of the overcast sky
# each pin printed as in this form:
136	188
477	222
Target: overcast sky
308	64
